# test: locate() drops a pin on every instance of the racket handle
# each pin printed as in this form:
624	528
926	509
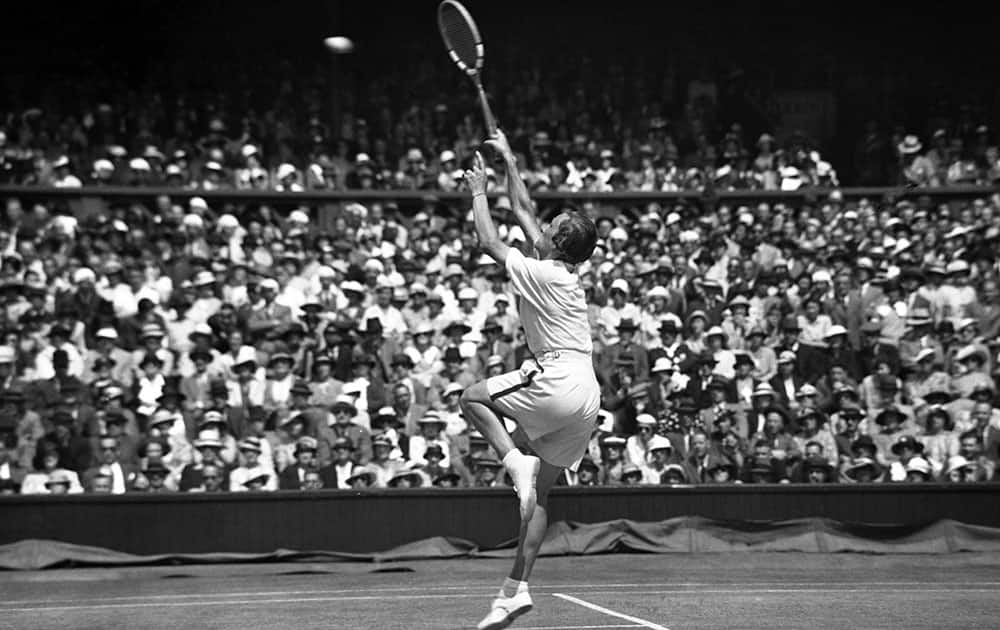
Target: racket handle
491	123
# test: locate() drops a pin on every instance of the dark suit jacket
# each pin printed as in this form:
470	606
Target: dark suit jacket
191	477
130	471
328	474
288	479
779	387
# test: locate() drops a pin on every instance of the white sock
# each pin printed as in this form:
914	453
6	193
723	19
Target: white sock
512	587
509	588
511	455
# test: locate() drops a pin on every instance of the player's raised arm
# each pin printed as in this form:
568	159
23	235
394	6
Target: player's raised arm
520	201
489	239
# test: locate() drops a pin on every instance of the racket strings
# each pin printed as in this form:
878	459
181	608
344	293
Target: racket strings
459	36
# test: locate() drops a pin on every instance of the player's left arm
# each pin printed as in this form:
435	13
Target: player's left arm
489	238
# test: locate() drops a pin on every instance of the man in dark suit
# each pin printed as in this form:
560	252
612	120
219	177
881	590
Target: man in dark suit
292	477
626	347
845	308
342	466
267	314
123	475
493	344
787	381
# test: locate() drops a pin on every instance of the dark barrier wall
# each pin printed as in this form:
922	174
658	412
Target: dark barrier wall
378	520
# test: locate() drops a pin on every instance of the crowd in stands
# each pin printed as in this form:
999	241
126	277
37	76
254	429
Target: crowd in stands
176	346
577	125
221	160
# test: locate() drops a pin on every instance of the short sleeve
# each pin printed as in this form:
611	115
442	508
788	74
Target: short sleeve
524	276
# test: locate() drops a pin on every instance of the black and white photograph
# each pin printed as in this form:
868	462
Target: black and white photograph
455	314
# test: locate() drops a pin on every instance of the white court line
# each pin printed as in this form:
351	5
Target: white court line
16	606
608	611
623	625
740	591
473	589
289	600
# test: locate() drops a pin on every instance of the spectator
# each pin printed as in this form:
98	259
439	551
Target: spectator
293	476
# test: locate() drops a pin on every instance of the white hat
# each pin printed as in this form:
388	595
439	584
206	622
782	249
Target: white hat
965	323
452	388
284	170
61	161
658	442
212	165
246	354
173	169
204	277
352	285
447	156
84	274
193	220
968	352
835	330
672	218
269	283
248	150
106	333
197	202
374	264
663	364
620	284
202	329
807	389
502	297
715	331
924	354
7	354
103	165
957	462
323	271
298	216
658	292
228	221
362	158
618	234
822	275
957	266
340	265
645	418
918	464
138	164
468	293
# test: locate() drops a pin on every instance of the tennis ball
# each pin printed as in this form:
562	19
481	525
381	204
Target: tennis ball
339	45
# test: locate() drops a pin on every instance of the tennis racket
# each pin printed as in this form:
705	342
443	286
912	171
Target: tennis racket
465	46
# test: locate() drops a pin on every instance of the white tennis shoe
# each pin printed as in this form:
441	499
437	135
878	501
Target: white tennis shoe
505	610
523	470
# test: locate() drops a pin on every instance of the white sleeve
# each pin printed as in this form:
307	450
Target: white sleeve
525	276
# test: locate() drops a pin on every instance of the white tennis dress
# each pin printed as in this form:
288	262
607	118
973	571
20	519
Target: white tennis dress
554	397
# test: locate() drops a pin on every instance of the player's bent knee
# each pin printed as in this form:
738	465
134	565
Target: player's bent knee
477	393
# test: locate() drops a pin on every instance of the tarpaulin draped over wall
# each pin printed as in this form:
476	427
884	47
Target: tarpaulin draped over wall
675	535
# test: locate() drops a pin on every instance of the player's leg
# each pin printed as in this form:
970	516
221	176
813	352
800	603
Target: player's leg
533	531
482	411
514	598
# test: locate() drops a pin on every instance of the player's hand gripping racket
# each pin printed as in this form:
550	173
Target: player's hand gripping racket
465	46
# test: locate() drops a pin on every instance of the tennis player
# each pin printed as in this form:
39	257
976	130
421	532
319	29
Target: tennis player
554	396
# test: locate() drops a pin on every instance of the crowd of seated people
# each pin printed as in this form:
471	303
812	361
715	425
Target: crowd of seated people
177	346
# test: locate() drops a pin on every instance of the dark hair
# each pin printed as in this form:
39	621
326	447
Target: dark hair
575	239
